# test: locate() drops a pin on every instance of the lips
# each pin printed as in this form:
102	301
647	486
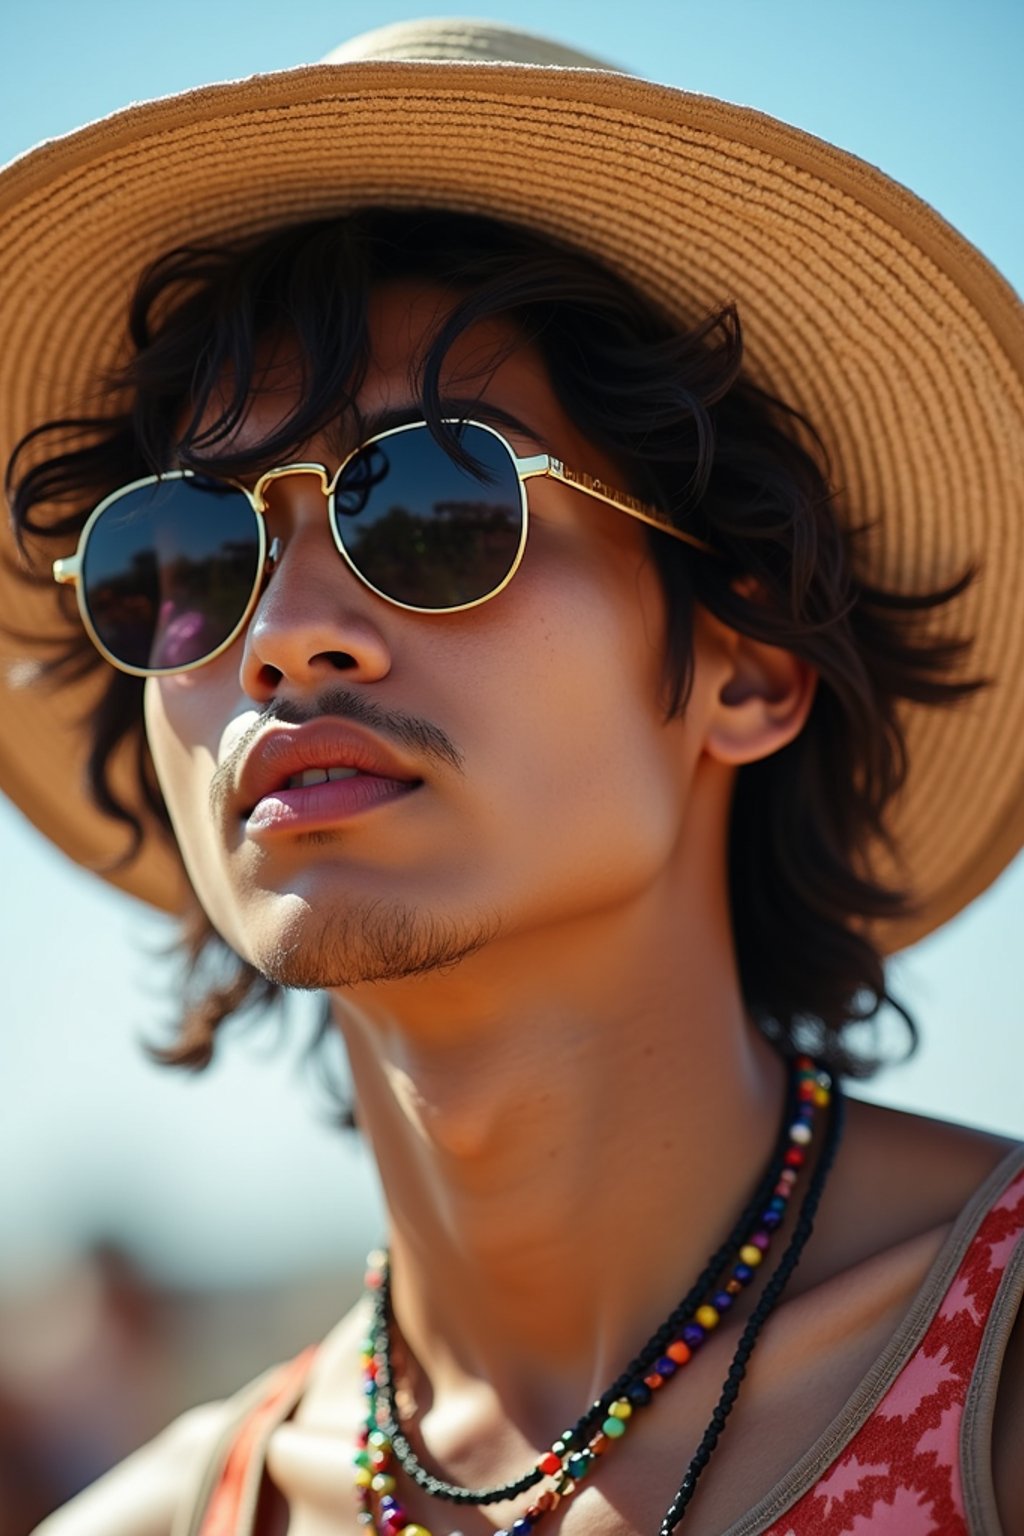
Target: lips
282	752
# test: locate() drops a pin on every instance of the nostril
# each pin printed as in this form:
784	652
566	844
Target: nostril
271	677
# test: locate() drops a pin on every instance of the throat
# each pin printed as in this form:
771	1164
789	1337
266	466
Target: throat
556	1178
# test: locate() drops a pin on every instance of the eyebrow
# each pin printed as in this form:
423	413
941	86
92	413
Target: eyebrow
375	422
372	423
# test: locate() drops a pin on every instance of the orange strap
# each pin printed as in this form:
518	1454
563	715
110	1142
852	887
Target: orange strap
225	1506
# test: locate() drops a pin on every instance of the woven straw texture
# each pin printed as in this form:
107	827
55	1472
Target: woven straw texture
860	307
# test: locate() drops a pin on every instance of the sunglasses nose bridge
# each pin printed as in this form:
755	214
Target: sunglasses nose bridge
280	472
258	495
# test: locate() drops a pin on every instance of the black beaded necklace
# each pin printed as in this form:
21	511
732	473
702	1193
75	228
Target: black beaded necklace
576	1452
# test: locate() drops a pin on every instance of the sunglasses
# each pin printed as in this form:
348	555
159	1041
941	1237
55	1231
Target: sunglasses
168	569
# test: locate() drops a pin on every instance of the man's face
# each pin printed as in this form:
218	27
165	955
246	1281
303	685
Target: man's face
551	786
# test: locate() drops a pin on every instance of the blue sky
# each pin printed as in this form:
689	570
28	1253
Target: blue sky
196	1173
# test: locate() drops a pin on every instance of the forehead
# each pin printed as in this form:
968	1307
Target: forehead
490	360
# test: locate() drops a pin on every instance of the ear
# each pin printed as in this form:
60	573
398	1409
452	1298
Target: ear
757	697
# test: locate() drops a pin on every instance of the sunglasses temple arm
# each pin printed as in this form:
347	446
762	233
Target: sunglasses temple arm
66	571
556	469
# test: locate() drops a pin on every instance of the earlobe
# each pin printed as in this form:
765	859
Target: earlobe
762	695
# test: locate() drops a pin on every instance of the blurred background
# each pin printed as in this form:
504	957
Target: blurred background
164	1237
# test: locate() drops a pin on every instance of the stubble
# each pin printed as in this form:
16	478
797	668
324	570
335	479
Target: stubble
375	941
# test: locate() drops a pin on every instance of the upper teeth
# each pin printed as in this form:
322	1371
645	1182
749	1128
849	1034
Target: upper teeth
310	776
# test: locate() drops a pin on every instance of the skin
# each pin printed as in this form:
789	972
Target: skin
532	965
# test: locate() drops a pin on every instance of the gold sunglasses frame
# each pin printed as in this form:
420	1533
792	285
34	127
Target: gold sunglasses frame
67	571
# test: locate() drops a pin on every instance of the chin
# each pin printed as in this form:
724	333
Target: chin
374	939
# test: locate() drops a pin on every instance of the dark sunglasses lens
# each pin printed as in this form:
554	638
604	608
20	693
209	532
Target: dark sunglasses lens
168	570
421	529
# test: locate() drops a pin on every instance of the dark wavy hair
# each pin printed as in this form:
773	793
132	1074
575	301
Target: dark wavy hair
674	410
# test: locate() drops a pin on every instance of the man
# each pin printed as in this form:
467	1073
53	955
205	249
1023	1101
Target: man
507	670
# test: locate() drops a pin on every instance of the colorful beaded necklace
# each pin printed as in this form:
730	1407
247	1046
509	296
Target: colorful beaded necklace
383	1448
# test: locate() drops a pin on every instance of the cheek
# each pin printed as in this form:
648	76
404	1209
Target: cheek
593	782
183	728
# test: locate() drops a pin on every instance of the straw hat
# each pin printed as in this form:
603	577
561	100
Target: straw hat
860	306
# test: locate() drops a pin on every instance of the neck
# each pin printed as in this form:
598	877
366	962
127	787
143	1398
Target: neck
562	1152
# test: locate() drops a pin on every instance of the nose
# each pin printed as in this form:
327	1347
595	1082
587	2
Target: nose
314	618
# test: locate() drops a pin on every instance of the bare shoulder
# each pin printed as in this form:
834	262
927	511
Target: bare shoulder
896	1189
148	1492
140	1496
899	1174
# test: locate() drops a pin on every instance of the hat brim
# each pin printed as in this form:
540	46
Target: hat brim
860	307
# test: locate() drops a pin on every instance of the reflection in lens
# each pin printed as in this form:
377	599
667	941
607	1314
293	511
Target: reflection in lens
423	530
168	570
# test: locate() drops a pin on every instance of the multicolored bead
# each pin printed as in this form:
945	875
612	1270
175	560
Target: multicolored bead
579	1464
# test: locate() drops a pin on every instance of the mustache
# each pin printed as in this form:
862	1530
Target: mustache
409	731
